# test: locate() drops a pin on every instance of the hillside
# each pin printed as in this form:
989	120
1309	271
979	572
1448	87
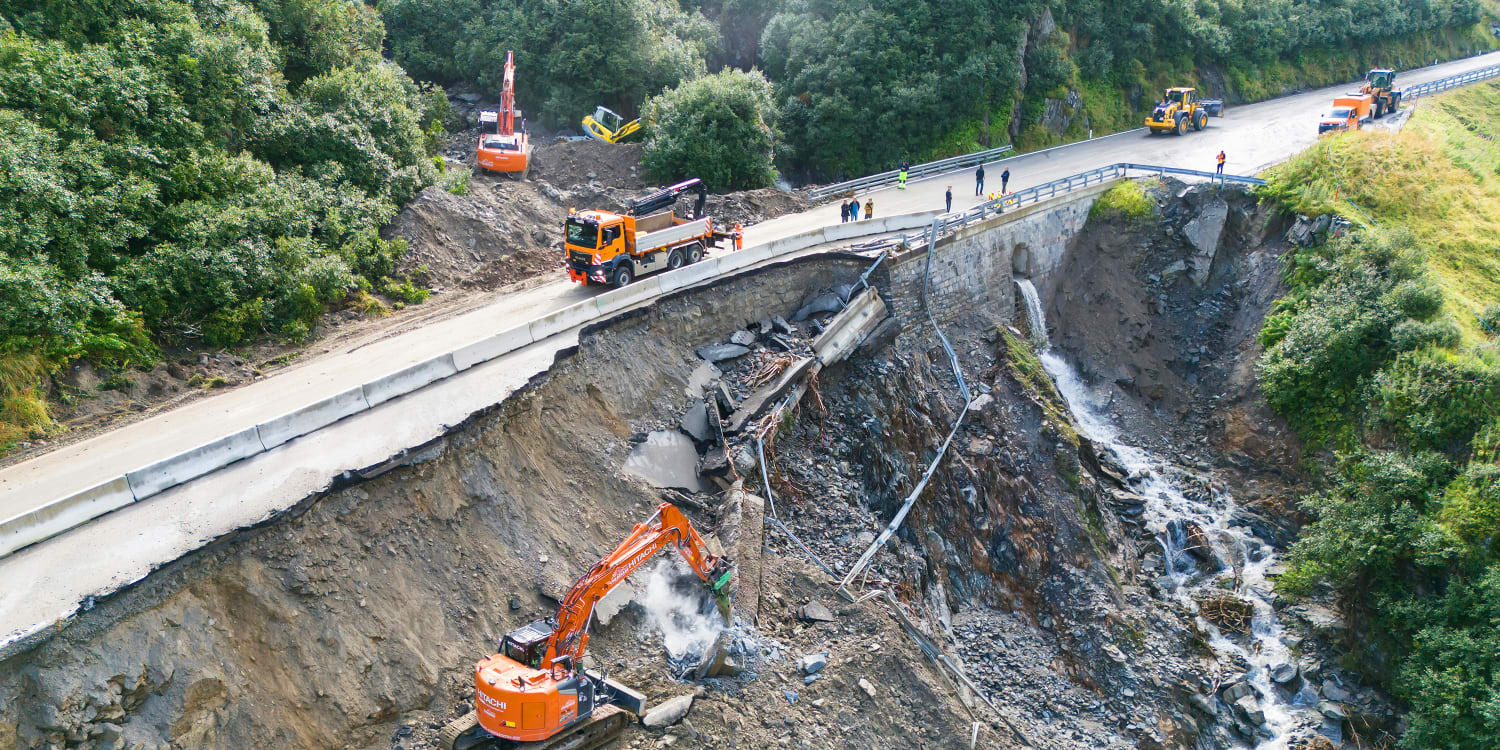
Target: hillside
1385	355
862	84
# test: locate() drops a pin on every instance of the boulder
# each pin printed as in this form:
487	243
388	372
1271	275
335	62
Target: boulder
1248	708
668	712
1333	691
721	352
1204	233
695	423
815	611
1333	711
812	663
743	338
865	685
1282	674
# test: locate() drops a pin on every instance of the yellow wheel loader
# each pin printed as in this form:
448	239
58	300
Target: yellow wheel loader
1181	109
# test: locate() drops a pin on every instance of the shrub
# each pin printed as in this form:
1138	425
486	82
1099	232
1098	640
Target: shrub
718	128
1127	200
1435	399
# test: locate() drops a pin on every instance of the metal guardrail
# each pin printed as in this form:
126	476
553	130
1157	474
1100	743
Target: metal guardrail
948	223
1443	84
917	170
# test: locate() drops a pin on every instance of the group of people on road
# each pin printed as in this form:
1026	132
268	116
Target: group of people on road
849	210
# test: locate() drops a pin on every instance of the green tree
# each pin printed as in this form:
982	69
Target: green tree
719	128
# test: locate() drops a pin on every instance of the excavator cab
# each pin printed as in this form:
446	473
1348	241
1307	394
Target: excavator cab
527	644
609	126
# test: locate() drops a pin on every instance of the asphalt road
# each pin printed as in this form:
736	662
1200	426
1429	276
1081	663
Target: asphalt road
1253	137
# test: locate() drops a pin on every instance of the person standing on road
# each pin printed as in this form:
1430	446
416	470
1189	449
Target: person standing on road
1004	180
979	180
701	202
1220	170
948	200
843	212
853	209
869	207
901	177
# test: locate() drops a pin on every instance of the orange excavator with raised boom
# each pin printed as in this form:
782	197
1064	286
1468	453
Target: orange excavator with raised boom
503	147
535	690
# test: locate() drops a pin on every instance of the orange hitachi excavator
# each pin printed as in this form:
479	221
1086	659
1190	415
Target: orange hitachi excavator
536	691
502	146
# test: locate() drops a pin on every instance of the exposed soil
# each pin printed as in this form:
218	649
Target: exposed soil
502	235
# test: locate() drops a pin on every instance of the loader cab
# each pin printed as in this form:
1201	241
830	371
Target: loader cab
527	644
1381	78
1181	97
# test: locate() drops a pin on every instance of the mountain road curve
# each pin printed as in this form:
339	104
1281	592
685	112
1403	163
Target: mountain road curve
44	583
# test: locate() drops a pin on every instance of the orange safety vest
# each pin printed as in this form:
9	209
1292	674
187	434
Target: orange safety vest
1221	157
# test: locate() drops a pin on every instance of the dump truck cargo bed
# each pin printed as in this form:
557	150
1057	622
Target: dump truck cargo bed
649	241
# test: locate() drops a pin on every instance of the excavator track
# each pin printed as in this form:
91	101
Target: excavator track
606	724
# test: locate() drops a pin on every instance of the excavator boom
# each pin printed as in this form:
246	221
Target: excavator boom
502	146
534	689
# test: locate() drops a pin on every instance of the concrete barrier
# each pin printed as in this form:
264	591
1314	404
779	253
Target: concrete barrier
703	269
194	463
62	514
489	348
619	299
404	381
311	417
558	321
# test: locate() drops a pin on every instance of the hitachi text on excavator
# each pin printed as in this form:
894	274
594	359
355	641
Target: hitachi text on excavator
536	691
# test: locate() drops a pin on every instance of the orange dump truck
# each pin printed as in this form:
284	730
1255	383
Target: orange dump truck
1350	112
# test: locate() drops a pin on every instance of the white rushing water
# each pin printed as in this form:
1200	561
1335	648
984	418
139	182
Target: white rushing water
1176	497
1036	319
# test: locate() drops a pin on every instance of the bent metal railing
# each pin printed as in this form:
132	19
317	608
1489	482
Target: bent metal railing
918	170
948	223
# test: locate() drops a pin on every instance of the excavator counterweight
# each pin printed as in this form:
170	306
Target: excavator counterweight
535	690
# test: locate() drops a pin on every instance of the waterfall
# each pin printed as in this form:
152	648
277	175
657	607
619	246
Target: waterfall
1169	510
1035	318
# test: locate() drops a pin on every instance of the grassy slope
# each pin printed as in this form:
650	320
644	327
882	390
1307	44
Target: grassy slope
1440	177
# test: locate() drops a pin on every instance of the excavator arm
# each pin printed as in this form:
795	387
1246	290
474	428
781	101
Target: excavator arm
667	526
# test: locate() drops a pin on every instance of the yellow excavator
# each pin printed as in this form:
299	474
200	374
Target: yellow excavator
609	126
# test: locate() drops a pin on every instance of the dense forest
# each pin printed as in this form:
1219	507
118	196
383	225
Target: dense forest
211	172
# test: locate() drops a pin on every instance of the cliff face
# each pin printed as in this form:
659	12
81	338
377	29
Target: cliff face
1030	561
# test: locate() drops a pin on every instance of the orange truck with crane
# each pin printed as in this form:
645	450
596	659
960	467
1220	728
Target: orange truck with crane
536	691
604	247
1350	112
503	147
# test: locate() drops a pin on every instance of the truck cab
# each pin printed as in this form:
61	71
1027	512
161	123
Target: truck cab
1350	112
603	247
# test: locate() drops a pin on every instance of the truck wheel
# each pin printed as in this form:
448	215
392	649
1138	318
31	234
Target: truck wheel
1182	126
674	260
1200	121
622	276
694	253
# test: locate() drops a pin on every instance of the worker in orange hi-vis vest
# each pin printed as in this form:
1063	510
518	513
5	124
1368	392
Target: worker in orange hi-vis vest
1221	164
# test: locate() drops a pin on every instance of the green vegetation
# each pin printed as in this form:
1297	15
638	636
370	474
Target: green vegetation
718	127
863	84
1383	351
207	172
1127	200
571	55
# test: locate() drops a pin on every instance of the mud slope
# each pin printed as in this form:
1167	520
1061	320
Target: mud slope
354	621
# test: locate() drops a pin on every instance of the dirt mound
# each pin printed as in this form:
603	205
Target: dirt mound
754	206
571	163
501	232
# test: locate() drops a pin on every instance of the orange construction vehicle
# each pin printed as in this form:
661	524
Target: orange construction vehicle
609	248
1350	112
537	691
502	146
